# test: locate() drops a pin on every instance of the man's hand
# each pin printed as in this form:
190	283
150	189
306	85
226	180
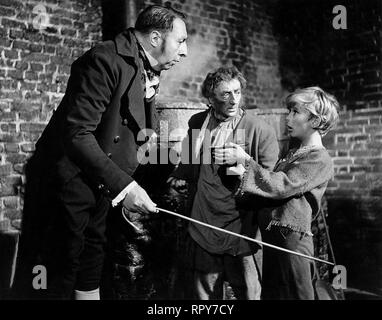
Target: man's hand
231	153
137	200
176	183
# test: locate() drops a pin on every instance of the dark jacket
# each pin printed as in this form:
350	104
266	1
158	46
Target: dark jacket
94	129
85	157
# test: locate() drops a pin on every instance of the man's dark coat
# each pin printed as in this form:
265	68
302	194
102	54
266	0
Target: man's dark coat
94	128
91	137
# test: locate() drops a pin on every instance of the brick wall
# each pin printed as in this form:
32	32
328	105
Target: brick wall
35	61
278	46
227	32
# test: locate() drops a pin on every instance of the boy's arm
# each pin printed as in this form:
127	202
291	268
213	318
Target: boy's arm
300	176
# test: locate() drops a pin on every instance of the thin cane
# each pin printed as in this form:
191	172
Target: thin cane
245	237
124	215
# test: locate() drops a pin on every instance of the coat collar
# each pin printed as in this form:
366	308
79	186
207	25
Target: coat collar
126	44
127	47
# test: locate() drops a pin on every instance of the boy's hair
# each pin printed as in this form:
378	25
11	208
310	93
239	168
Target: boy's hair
319	103
213	79
159	18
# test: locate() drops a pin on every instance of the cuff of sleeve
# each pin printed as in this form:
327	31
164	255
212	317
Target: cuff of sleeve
123	193
247	166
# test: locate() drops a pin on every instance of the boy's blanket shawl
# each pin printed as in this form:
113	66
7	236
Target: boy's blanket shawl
293	192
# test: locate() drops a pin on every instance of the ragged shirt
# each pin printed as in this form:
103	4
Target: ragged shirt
214	201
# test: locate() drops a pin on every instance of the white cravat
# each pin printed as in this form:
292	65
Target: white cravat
150	84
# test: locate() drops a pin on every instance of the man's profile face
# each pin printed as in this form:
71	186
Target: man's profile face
226	101
174	45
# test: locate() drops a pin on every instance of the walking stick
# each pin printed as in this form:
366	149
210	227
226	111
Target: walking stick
245	237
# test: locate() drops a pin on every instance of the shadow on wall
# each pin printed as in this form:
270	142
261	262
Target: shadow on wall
357	242
302	29
117	15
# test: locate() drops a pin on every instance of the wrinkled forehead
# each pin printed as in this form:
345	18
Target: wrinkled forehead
228	86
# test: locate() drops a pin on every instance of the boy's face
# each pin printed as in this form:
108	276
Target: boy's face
299	123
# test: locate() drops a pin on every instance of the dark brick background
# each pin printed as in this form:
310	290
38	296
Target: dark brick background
279	45
347	63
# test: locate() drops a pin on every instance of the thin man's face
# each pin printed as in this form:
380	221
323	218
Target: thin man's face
227	98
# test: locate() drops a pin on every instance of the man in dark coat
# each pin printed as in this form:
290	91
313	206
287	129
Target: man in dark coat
86	158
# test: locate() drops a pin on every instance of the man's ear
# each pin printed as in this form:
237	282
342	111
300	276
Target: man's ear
156	38
211	101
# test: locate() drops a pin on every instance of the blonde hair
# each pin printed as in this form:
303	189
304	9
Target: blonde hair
319	103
